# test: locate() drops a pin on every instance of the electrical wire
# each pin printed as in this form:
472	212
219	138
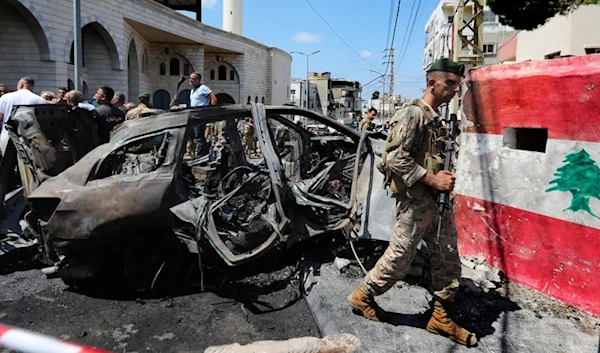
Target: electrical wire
387	40
409	36
336	33
391	45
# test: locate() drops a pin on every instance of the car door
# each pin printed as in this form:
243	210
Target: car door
337	174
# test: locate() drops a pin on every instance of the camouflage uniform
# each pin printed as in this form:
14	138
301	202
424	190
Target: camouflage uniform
412	151
137	112
249	139
366	124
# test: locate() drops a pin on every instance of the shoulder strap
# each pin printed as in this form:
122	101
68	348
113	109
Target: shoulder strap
425	108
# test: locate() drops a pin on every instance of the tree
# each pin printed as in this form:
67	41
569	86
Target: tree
579	176
529	14
375	95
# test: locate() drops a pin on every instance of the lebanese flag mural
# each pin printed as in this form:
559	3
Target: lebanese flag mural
528	176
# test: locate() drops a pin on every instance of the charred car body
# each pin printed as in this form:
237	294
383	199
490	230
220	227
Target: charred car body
128	201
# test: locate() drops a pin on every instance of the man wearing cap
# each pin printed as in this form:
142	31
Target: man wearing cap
413	170
143	107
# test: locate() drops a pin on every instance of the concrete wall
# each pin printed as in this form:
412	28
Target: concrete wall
281	73
528	200
567	34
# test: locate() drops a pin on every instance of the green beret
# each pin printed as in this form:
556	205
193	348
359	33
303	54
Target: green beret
144	95
447	65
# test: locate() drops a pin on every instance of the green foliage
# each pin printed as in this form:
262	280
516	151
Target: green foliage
529	14
375	95
581	177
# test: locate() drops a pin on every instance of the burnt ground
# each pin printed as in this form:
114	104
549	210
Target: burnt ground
261	302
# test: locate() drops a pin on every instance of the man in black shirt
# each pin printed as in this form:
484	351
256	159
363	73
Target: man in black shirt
106	114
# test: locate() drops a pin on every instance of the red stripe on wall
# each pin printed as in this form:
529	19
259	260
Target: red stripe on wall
562	95
555	257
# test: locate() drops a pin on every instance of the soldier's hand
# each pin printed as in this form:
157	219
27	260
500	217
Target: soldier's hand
443	181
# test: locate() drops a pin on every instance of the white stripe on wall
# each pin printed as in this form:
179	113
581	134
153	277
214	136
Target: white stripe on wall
519	179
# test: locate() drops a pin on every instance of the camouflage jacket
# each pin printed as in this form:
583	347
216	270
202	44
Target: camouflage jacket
413	148
366	125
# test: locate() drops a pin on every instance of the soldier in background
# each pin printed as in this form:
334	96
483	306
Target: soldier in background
249	138
366	124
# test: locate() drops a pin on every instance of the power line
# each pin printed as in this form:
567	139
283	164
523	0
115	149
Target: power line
389	23
336	33
396	23
392	42
412	9
409	35
353	64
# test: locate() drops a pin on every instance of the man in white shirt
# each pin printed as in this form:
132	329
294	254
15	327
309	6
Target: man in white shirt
201	96
22	96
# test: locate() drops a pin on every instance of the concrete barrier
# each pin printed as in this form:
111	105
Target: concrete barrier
528	180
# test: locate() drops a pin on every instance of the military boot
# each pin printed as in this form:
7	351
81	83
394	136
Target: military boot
361	300
441	324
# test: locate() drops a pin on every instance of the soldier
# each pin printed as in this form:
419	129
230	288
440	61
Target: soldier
366	124
413	172
143	107
249	138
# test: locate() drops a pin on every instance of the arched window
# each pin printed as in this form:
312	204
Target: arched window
186	69
231	75
70	85
174	67
263	100
256	99
222	73
249	99
212	74
161	99
163	69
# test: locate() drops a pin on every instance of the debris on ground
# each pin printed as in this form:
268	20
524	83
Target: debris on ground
342	343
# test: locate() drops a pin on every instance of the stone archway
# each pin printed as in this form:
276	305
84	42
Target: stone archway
224	98
184	97
161	99
103	30
37	25
133	72
26	50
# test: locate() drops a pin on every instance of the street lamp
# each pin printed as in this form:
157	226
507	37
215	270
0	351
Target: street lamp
307	82
382	94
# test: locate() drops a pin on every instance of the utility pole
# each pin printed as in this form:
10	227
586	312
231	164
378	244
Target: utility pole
468	35
77	47
391	90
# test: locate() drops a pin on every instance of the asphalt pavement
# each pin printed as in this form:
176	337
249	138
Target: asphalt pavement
523	322
268	308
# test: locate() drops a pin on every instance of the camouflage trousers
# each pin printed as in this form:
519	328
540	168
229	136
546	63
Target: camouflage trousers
417	219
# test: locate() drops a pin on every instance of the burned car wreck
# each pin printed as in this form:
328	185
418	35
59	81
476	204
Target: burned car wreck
139	201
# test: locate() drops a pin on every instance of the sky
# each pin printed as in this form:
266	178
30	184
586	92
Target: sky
364	30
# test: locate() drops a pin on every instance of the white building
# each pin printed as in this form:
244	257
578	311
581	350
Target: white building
139	46
439	33
575	33
298	94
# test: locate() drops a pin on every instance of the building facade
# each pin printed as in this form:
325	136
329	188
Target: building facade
137	46
572	34
439	33
299	97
